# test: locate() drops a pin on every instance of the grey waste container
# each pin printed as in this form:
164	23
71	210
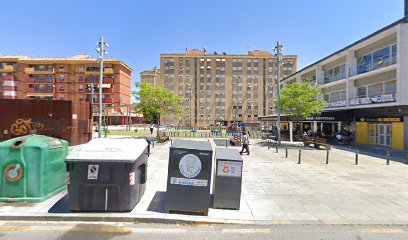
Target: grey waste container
107	174
228	179
189	177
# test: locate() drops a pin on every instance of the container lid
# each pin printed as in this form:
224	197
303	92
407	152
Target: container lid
227	154
108	150
194	145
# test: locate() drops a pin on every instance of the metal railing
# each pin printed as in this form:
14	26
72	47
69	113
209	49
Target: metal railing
372	65
373	99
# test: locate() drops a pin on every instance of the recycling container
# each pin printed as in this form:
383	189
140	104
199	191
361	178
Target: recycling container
189	177
33	168
107	175
228	179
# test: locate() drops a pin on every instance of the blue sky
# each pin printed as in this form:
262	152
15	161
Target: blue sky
138	31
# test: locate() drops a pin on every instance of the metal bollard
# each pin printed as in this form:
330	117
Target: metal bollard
153	143
356	157
327	157
276	148
300	155
268	144
286	152
226	143
388	157
171	141
406	159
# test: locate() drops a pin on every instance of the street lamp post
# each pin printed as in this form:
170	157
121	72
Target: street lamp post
278	49
102	52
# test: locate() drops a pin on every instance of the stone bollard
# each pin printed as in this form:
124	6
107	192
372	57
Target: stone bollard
300	156
388	157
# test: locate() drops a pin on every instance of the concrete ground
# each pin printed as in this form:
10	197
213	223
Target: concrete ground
275	190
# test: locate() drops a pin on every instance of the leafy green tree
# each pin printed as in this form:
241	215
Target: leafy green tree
301	100
154	102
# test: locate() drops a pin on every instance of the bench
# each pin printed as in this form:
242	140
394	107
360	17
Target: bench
317	142
163	137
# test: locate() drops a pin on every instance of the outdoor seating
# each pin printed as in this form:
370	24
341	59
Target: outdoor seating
317	142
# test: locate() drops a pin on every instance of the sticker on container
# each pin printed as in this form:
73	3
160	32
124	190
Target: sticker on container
190	166
189	182
68	178
93	172
132	178
229	169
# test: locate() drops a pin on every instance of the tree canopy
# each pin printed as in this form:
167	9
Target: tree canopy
301	100
154	102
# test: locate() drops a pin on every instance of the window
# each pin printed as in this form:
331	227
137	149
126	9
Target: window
390	87
375	89
61	67
62	77
362	92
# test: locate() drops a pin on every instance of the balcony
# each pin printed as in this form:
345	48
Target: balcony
40	90
31	70
372	65
39	80
108	81
108	71
373	99
335	104
8	78
6	68
108	100
107	90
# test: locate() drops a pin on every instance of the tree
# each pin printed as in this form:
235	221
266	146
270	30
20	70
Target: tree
301	100
154	102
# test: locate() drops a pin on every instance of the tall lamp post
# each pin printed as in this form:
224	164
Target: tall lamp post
278	49
102	52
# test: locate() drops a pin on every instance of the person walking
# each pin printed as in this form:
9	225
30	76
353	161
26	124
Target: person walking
151	128
245	143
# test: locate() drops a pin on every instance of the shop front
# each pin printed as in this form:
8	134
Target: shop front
383	131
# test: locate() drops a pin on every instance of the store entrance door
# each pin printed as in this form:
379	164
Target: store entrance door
380	134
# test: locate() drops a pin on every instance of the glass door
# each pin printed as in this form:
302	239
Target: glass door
387	129
373	134
381	134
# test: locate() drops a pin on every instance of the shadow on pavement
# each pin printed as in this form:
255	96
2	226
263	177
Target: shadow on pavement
158	202
62	206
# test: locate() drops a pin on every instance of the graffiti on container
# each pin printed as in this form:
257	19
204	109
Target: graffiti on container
25	126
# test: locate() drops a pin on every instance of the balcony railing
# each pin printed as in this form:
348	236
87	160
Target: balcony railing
108	100
373	99
332	78
40	90
334	104
107	90
371	66
31	70
39	81
6	68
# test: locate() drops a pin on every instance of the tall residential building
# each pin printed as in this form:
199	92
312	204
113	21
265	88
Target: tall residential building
365	87
221	88
150	76
75	78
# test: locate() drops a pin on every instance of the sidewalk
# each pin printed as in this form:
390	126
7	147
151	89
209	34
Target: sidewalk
275	190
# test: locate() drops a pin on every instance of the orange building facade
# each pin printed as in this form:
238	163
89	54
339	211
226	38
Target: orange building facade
75	79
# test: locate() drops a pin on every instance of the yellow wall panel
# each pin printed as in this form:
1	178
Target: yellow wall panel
362	132
397	135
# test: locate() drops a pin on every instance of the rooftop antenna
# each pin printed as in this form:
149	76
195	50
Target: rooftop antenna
186	46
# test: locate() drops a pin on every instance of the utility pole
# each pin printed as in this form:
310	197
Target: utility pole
102	52
278	55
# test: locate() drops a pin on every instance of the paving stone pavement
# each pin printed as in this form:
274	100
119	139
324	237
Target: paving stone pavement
276	189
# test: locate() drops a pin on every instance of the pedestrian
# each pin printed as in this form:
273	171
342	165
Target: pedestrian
245	143
151	128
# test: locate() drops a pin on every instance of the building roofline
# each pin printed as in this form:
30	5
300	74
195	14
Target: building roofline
349	46
221	55
25	59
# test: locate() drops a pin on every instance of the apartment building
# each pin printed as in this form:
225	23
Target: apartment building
219	89
150	76
365	86
75	78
